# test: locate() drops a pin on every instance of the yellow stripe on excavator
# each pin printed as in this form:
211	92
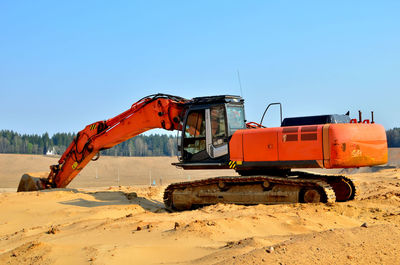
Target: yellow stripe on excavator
232	164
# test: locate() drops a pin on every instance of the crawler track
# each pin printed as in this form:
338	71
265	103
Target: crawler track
248	190
343	186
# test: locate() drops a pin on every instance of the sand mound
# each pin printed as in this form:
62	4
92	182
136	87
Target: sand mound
336	246
28	253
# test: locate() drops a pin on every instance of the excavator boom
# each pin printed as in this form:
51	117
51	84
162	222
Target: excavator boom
155	111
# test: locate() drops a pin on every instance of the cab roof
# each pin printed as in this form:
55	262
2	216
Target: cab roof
217	99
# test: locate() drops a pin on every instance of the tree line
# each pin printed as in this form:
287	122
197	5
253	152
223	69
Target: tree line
393	137
141	145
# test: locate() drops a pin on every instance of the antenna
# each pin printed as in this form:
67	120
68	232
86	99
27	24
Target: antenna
240	83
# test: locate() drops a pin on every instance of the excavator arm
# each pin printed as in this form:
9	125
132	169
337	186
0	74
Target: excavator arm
155	111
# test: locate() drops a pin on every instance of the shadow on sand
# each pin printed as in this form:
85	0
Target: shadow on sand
106	198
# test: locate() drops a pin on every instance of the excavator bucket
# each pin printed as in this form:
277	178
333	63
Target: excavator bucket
32	181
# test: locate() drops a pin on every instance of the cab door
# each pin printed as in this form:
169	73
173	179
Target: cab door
194	136
216	131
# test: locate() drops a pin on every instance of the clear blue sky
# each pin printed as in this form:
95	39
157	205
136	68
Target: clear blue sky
65	64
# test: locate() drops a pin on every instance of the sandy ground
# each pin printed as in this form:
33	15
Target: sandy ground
99	224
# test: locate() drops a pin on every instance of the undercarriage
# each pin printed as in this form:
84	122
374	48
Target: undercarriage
294	187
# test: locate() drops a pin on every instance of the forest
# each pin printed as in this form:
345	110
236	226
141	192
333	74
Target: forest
393	137
141	145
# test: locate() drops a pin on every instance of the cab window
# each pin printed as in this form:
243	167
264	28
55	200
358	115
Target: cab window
218	125
195	132
235	118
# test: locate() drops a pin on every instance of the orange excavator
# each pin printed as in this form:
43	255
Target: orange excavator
215	135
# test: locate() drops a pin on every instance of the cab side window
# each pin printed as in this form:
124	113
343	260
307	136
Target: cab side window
218	125
195	132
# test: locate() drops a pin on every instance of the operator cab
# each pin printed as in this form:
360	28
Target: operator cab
208	126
